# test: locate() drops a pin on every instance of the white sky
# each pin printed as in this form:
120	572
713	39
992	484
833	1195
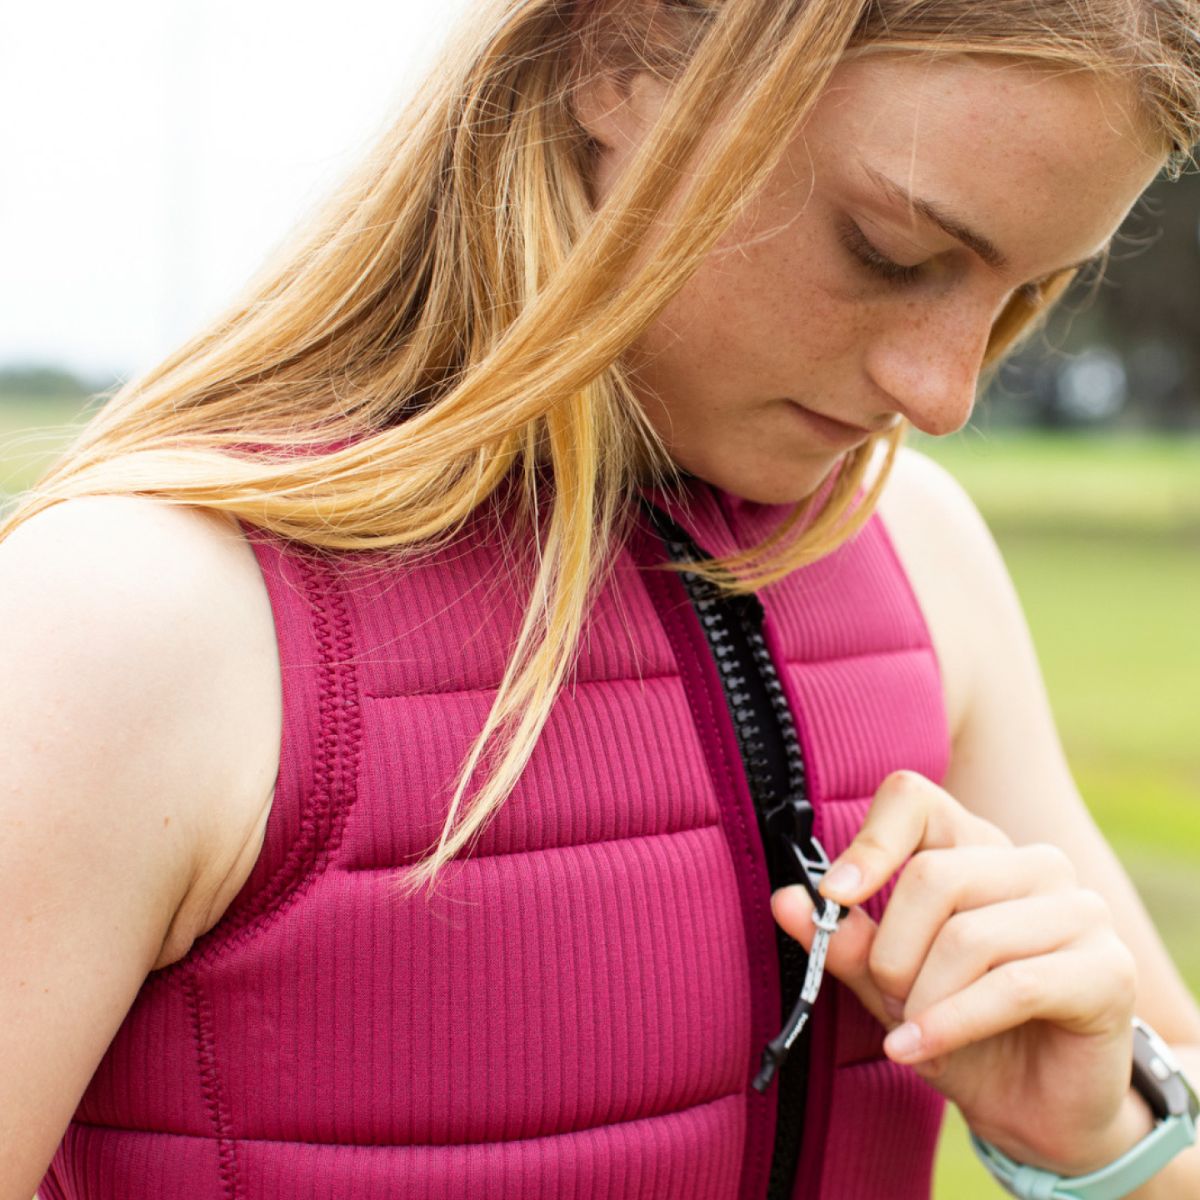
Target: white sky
153	151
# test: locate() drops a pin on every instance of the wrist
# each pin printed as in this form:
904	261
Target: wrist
1133	1122
1161	1097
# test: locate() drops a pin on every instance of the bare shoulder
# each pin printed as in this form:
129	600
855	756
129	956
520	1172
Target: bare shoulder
159	611
929	510
138	735
953	565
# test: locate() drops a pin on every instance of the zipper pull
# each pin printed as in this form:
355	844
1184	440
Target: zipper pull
798	853
826	920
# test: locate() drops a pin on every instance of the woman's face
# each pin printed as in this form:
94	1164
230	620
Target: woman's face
862	284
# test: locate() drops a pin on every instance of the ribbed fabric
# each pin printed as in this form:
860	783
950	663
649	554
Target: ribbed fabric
581	1009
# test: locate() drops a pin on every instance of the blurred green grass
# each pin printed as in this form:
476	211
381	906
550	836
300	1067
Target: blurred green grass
32	433
1094	484
1102	536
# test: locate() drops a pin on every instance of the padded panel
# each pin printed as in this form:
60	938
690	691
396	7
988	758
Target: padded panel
573	791
538	994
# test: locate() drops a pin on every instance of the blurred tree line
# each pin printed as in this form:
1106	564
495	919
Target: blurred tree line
1121	351
1123	348
38	381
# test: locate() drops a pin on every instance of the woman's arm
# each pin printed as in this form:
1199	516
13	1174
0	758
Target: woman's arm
1007	762
129	734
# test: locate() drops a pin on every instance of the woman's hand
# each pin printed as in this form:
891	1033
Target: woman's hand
1009	973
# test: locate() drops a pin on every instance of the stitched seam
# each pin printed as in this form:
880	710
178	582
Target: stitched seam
672	1112
338	749
477	857
659	585
708	728
861	654
759	1184
919	617
211	1089
489	691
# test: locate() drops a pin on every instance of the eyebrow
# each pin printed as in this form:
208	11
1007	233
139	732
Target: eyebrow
948	223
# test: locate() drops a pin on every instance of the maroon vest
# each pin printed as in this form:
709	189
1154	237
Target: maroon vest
581	1010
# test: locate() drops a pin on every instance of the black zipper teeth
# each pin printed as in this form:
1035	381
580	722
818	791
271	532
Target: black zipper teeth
798	780
726	620
715	619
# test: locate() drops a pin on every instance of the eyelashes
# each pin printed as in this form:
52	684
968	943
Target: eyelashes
877	264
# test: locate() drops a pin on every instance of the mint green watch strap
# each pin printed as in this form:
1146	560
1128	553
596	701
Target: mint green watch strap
1118	1178
1158	1077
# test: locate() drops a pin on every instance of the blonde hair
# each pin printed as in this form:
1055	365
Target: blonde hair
458	311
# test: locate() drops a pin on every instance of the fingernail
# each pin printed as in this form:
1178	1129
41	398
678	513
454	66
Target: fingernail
904	1041
894	1008
842	881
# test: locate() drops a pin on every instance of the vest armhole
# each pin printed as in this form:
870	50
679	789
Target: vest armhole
320	742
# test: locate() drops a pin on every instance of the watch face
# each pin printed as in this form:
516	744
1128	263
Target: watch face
1158	1077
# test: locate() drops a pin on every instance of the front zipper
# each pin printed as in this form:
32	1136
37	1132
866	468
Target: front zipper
776	774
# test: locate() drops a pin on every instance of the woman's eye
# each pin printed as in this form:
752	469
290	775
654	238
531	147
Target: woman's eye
855	241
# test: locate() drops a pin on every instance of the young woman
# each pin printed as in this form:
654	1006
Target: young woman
427	696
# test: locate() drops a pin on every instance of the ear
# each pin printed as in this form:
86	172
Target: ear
617	107
596	101
615	95
608	43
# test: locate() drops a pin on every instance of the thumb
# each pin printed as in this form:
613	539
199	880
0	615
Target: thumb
849	949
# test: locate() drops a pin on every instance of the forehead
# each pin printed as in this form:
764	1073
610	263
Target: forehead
1048	161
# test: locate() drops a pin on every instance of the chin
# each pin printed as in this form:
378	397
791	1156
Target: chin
789	484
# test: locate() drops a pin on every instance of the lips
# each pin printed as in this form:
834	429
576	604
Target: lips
831	430
846	425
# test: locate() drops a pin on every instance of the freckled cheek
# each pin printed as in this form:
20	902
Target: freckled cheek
696	333
790	324
754	324
834	332
802	309
705	361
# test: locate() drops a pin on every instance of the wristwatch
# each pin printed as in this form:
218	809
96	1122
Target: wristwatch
1162	1084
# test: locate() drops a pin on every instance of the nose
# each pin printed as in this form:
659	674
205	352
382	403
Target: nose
929	370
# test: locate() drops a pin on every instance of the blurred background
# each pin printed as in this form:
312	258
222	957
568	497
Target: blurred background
154	155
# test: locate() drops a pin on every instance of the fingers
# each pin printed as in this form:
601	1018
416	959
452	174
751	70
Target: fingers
966	949
979	936
849	948
952	920
936	884
974	942
1079	989
909	813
